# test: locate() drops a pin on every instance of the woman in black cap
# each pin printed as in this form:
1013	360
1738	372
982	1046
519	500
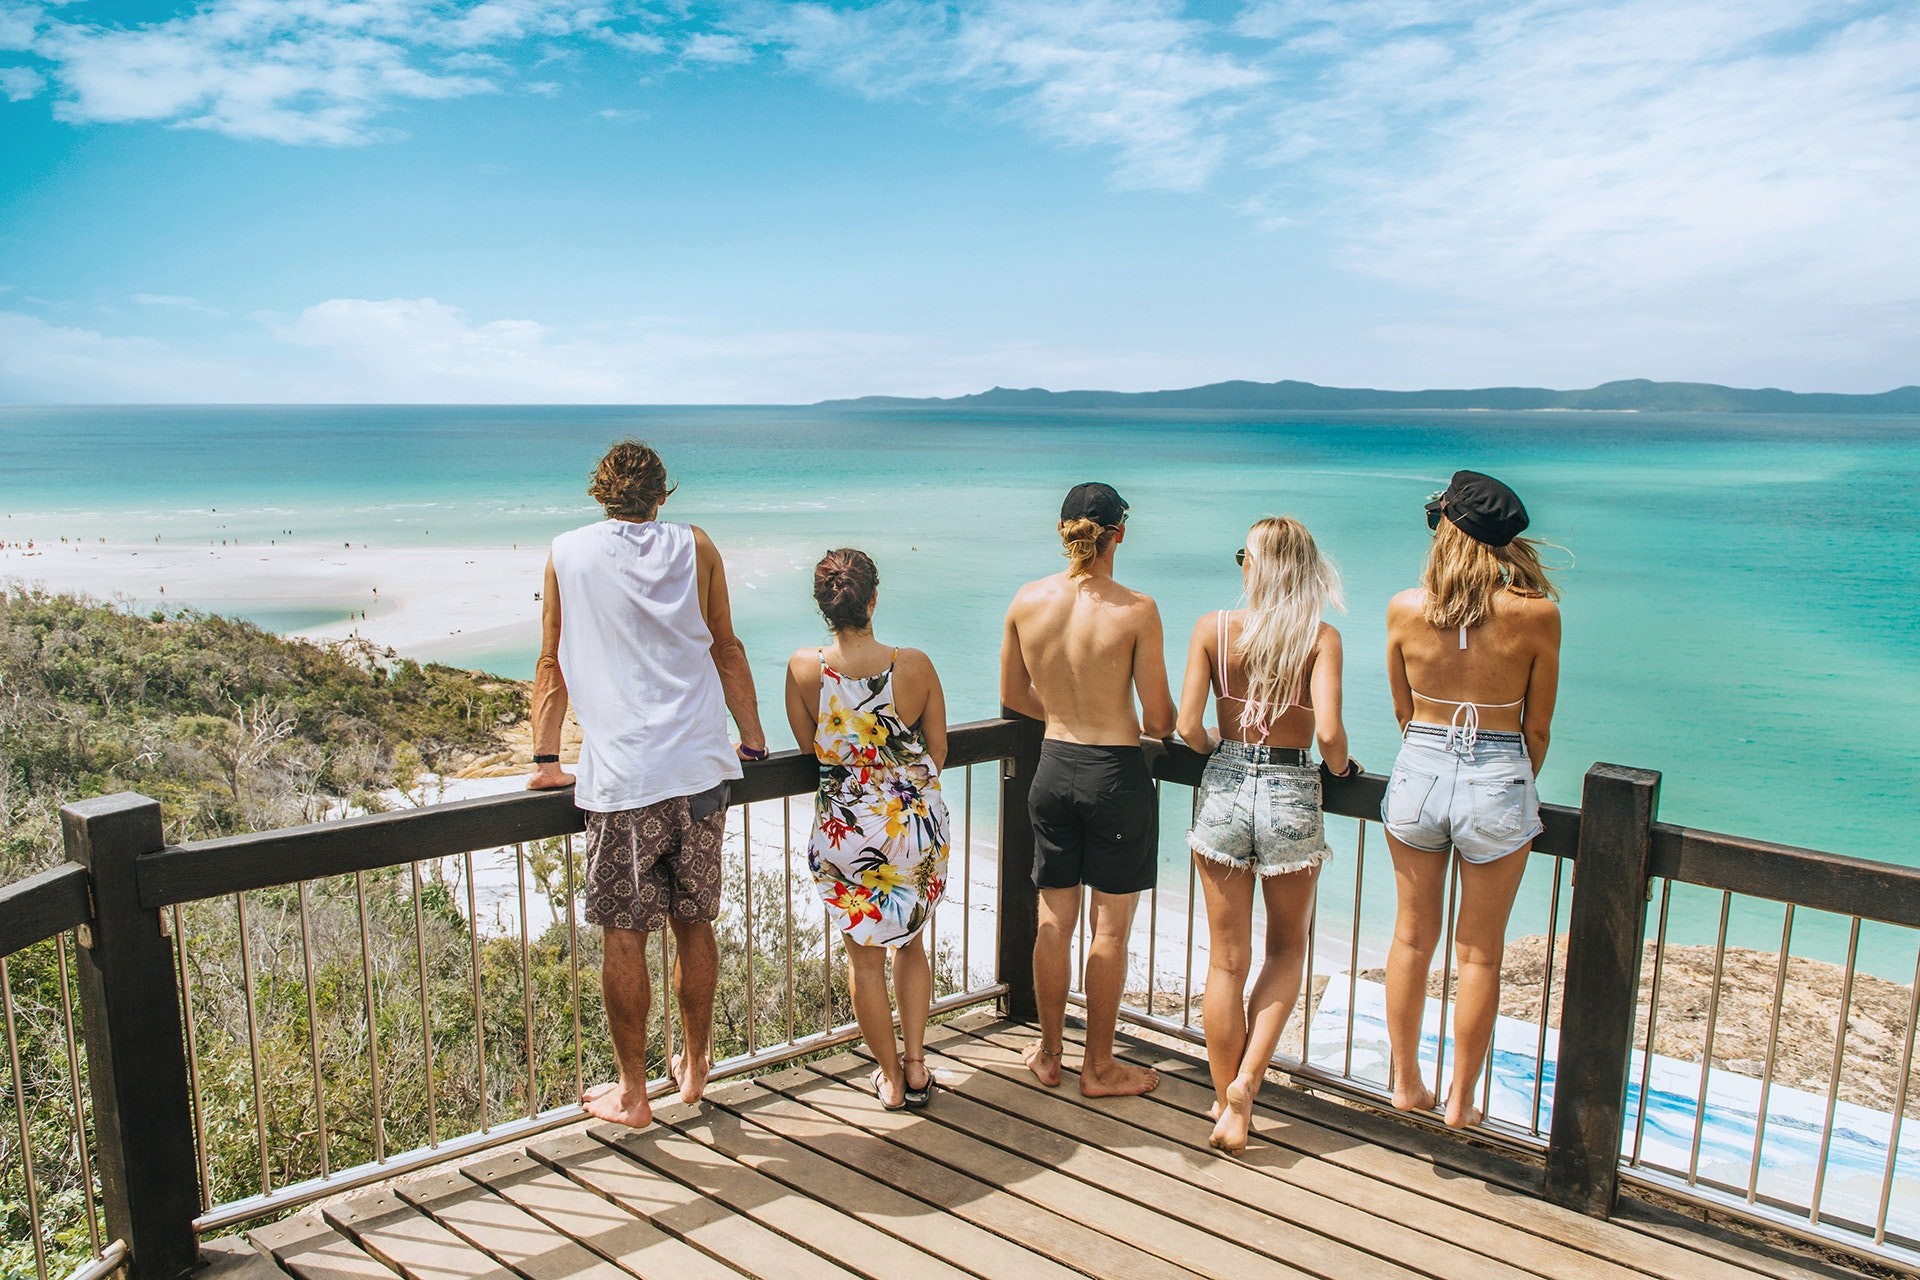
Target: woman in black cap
1473	656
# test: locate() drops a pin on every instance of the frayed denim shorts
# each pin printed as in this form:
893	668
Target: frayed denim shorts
1473	792
1258	815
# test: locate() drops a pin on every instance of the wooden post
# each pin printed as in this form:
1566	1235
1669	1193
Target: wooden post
136	1058
1019	901
1607	928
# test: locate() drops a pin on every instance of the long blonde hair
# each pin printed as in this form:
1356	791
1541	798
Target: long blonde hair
1082	542
1462	573
1289	585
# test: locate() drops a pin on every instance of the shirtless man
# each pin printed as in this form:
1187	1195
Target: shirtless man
1077	647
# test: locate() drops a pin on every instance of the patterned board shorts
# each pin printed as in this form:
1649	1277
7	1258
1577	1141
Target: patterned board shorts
662	861
1257	814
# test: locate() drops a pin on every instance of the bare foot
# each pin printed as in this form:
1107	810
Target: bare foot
1462	1115
617	1104
1230	1130
1213	1109
1044	1063
691	1075
1413	1097
1115	1080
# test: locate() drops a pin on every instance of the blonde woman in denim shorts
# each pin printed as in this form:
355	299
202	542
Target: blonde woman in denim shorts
1473	655
1273	671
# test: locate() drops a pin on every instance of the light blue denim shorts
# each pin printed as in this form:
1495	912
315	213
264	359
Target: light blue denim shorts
1257	814
1473	792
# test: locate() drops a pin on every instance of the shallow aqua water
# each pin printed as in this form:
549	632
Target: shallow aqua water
1741	613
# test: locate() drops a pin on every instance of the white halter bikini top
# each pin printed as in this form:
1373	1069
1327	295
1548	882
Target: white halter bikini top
1465	725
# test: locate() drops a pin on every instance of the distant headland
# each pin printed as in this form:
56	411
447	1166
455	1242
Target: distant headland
1631	395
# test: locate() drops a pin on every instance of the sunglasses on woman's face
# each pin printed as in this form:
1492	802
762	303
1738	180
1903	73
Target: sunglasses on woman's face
1240	557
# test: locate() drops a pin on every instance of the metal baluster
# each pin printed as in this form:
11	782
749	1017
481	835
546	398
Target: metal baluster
1706	1053
79	1108
666	994
313	1032
1446	987
479	1003
1899	1108
786	880
253	1047
193	1058
373	1023
826	970
746	851
426	1015
1085	909
526	976
26	1132
1653	1019
1839	1059
1353	956
1773	1045
1153	913
1193	885
1306	987
573	958
966	887
1546	997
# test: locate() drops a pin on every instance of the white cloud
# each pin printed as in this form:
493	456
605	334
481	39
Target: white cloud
176	301
20	83
1130	75
714	48
42	361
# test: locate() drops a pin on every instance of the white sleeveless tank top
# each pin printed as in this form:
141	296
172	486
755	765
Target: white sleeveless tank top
637	658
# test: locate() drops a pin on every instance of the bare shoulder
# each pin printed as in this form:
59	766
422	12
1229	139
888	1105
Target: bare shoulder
1033	594
804	664
913	662
1328	641
1536	613
703	546
1138	601
1407	602
1209	625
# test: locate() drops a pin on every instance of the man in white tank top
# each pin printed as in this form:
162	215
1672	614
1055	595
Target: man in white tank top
648	656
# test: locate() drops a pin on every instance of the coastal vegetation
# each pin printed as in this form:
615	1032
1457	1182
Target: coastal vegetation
385	1012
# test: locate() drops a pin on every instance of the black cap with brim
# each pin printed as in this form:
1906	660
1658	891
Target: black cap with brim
1094	501
1481	507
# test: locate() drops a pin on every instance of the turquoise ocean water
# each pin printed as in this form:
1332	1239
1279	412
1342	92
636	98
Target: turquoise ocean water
1741	610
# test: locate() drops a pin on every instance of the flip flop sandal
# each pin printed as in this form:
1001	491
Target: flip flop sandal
912	1097
879	1081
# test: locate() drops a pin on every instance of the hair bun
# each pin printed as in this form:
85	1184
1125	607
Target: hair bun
843	585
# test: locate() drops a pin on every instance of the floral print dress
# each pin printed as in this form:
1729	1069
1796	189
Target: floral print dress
880	832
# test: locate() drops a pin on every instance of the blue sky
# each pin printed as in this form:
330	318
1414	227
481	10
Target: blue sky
674	201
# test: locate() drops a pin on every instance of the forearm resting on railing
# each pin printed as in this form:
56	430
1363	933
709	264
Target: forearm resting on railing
736	682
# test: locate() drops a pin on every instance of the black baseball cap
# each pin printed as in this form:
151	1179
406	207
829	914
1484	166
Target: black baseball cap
1096	502
1480	507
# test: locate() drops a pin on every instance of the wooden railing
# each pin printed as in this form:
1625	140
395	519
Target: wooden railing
122	881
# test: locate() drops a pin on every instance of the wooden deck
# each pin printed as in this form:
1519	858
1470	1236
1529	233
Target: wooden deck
801	1176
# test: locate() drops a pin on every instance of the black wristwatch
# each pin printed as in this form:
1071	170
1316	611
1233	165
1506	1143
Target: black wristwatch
546	759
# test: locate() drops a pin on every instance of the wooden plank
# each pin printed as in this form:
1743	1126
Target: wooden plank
237	1258
1427	1234
1785	873
503	1230
814	1222
1454	1171
1200	1191
409	1241
1607	925
1765	1257
632	1243
1024	1163
43	906
876	1203
943	1187
712	1228
310	1249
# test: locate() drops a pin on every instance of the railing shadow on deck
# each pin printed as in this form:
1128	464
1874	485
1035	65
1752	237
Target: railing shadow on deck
481	1031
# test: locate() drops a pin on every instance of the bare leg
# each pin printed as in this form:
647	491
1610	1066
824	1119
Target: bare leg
1052	972
1289	907
1421	879
696	967
625	990
1229	897
1487	890
1101	1076
913	990
867	978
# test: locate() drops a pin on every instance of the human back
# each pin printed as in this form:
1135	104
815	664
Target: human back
1080	638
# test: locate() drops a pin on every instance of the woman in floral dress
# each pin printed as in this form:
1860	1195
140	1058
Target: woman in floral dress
875	718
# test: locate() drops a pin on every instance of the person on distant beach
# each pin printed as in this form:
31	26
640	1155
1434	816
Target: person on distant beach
876	719
1258	811
645	648
1473	658
1077	648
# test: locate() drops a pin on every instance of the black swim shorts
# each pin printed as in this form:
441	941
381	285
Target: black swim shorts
1096	820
